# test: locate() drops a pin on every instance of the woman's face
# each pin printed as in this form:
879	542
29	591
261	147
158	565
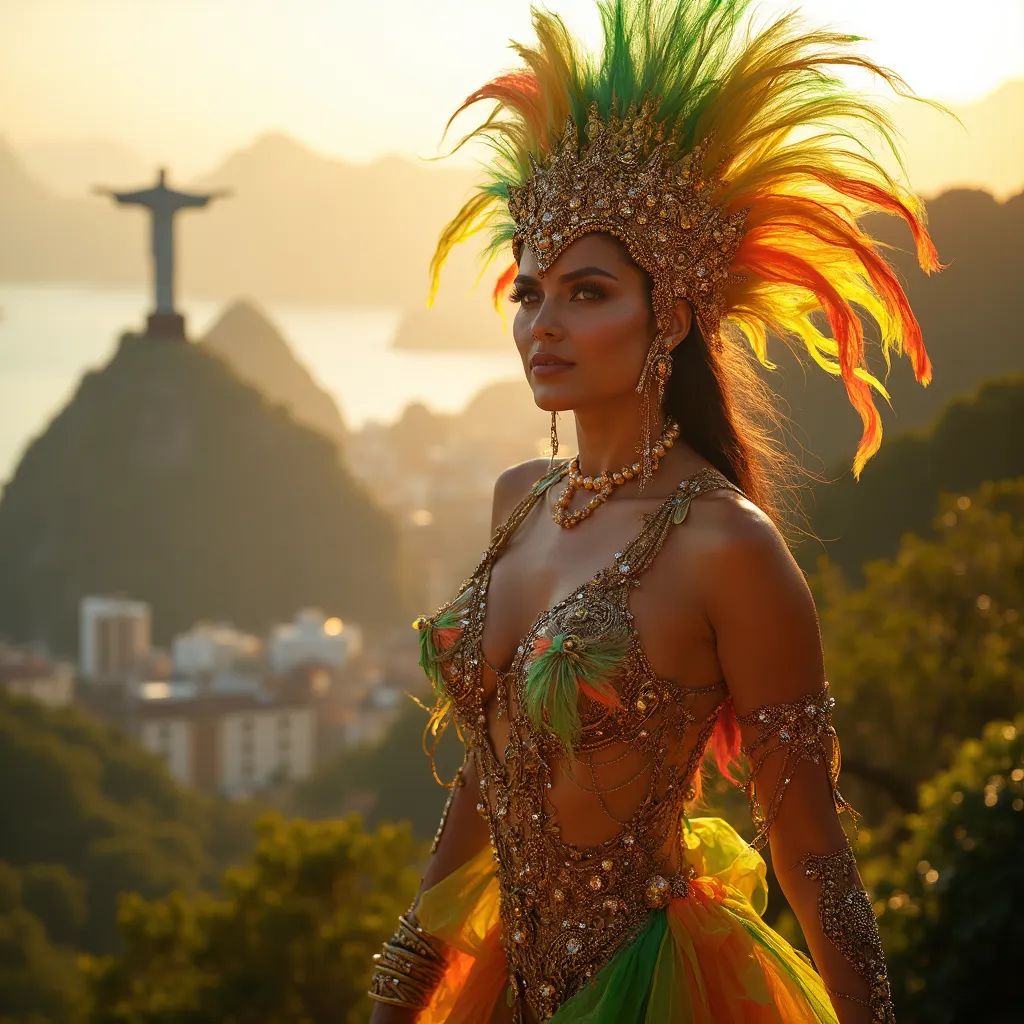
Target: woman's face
582	330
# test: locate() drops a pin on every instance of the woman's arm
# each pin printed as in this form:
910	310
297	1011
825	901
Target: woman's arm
462	831
769	647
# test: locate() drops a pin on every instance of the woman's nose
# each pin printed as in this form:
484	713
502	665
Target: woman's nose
545	325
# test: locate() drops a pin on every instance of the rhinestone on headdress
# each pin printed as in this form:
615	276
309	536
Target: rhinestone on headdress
624	181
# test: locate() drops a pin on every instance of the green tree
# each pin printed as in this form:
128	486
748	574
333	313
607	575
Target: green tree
289	942
39	981
58	899
88	814
953	923
929	648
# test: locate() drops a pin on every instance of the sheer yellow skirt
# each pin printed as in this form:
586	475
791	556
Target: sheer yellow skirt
707	958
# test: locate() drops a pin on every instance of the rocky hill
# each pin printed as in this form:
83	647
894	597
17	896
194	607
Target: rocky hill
978	437
257	351
169	479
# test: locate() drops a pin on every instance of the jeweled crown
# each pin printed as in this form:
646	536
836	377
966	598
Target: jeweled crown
625	180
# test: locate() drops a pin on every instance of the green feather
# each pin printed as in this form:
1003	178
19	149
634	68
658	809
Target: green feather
551	689
430	657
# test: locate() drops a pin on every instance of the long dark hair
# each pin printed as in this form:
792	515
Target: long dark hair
729	415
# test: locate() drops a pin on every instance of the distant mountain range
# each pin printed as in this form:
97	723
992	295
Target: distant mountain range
940	154
68	168
299	227
308	228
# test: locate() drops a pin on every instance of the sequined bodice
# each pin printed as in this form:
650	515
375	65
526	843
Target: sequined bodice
585	835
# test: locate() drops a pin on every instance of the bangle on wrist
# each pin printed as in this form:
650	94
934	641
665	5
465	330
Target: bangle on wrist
409	966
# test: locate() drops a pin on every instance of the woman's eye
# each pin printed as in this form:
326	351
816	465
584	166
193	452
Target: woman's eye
527	296
588	291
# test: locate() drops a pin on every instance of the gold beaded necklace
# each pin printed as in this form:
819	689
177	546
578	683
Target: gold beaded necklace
605	482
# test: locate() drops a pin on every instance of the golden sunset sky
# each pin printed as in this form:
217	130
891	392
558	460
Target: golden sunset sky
186	81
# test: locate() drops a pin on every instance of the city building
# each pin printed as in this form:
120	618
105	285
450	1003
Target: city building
231	745
312	638
209	648
29	673
114	638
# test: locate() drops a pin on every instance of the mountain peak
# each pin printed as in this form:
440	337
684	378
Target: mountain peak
246	338
16	184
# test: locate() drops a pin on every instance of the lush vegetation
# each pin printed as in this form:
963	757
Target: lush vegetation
930	647
290	940
88	815
952	920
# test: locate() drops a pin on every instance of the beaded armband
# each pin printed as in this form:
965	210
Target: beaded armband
848	922
408	968
803	730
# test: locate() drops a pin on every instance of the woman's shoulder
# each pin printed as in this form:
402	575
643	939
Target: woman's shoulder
513	484
724	527
736	548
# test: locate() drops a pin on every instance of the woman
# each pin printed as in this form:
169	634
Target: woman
638	607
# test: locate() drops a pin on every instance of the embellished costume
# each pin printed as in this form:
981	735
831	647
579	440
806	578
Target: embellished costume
600	899
658	917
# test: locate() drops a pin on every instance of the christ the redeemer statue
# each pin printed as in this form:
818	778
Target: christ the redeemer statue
163	203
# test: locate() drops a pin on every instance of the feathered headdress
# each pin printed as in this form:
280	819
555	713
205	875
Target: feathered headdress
729	162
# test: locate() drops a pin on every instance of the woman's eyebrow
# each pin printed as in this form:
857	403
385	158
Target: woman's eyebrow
572	275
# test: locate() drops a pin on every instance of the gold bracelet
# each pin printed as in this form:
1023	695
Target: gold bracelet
409	967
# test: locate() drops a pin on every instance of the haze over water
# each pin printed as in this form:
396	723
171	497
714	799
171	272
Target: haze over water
51	334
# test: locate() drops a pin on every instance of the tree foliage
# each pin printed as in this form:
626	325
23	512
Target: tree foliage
930	648
88	814
289	942
977	438
953	923
39	981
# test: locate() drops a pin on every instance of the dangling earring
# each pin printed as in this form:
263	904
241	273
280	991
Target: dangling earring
554	435
659	365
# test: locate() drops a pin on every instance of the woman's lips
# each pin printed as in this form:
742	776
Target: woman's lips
550	369
547	365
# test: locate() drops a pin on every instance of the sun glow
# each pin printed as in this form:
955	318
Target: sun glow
358	81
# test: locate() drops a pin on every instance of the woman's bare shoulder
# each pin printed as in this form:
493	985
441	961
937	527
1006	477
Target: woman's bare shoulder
726	537
725	518
512	484
742	558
